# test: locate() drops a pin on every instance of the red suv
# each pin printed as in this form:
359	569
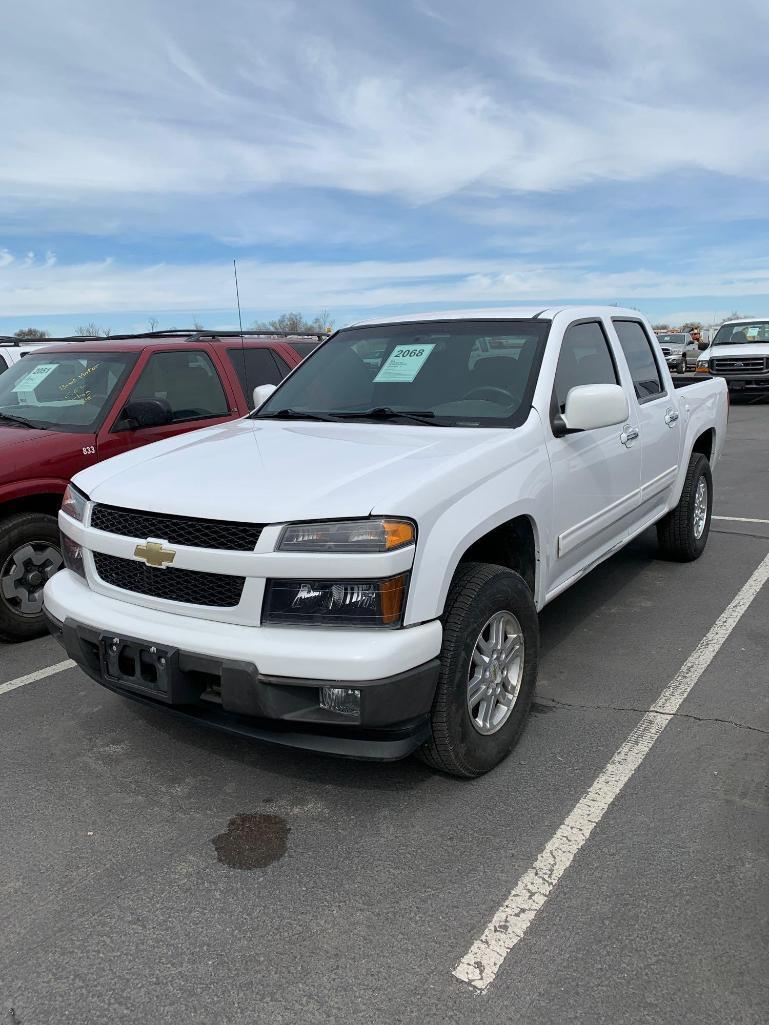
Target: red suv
66	406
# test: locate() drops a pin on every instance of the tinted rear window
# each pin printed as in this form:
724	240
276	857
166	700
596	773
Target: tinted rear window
254	367
637	347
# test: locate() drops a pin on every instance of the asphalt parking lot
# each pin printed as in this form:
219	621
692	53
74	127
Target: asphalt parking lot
158	872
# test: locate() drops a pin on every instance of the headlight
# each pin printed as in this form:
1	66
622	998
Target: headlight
702	368
372	603
371	535
72	554
74	503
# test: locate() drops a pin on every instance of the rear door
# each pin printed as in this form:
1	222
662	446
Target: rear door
656	415
596	474
257	365
188	383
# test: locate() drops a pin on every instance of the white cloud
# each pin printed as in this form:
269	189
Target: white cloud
34	287
172	100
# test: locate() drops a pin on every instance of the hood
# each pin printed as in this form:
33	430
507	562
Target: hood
19	435
270	472
29	452
760	349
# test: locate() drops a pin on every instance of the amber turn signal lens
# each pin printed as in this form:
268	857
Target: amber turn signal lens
391	595
398	533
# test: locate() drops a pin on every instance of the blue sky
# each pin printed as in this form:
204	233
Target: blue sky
360	157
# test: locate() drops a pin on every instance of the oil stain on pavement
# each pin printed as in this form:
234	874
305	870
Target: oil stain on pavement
252	841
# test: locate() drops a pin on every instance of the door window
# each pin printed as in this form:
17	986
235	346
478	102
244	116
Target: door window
256	366
585	359
186	381
639	354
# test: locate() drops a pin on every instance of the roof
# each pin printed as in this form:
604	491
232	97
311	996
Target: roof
159	339
500	313
187	334
744	320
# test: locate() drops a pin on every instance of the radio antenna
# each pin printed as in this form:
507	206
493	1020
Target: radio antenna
237	296
242	340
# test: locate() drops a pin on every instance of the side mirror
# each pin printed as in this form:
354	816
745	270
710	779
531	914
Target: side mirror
702	345
590	406
262	392
145	413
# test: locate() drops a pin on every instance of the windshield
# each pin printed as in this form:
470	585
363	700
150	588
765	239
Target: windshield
449	373
741	334
63	391
676	339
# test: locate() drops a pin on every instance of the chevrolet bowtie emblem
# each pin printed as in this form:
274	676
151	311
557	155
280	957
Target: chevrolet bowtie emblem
154	554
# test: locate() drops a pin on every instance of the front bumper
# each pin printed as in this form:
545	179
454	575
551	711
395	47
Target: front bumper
675	361
735	383
235	692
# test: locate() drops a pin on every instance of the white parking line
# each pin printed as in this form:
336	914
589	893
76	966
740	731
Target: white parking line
40	674
738	519
479	966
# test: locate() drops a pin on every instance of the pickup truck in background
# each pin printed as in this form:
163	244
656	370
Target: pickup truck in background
357	567
14	349
66	406
679	349
739	353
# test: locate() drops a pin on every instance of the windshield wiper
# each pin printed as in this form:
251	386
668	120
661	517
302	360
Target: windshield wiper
295	414
21	420
417	416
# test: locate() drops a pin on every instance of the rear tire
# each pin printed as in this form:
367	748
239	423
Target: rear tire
30	553
488	670
683	533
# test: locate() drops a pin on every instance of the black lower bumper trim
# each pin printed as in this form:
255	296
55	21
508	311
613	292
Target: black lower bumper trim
394	718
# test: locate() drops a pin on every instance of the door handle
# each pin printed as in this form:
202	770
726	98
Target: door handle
671	416
628	434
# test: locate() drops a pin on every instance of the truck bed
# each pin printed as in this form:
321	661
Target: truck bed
686	380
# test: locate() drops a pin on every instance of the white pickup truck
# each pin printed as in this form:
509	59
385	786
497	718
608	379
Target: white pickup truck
357	566
740	354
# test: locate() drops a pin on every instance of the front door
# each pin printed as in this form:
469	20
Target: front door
187	383
596	474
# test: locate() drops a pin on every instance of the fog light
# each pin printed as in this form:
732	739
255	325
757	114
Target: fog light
345	700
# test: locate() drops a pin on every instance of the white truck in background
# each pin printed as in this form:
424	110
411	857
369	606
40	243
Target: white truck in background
357	566
739	353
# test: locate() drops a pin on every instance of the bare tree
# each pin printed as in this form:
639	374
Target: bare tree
197	325
326	321
295	324
152	323
31	332
91	330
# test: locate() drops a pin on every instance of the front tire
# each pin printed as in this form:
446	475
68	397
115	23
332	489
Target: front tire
30	553
488	670
683	533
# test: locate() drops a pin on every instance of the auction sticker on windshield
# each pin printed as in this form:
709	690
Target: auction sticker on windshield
404	363
31	380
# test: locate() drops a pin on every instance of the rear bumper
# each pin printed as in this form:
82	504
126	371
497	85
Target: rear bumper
392	723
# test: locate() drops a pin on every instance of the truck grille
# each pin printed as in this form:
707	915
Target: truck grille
738	365
177	530
183	585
